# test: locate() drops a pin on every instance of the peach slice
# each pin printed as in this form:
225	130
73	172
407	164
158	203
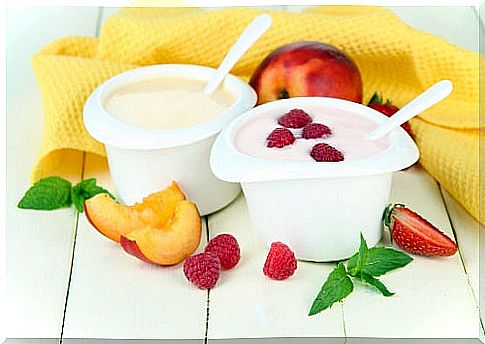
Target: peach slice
169	244
113	219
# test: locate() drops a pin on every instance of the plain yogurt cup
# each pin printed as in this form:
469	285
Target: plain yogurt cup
144	160
318	208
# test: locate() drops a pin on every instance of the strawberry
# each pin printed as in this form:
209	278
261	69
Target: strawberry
415	234
376	103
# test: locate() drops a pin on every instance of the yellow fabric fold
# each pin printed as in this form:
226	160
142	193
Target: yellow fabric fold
394	59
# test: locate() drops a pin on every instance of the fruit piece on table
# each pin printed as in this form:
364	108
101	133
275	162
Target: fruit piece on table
307	69
324	152
280	262
203	270
295	119
315	131
225	247
376	103
171	242
416	235
113	219
279	138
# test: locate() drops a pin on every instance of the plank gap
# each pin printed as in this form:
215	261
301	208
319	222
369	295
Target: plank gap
71	266
343	321
461	257
454	235
99	20
76	220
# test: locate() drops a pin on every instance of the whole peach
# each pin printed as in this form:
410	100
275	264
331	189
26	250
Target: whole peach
307	69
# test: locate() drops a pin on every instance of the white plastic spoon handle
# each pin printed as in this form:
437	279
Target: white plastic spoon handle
428	98
250	35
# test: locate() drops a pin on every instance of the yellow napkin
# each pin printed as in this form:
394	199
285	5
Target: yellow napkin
393	58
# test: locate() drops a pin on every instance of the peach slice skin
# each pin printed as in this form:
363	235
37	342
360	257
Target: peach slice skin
131	247
113	219
172	243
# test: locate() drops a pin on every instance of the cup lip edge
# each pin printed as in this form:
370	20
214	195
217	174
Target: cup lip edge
225	156
111	131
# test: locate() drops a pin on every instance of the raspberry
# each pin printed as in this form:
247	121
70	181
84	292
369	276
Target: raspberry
225	247
280	137
296	118
280	263
315	131
202	269
325	152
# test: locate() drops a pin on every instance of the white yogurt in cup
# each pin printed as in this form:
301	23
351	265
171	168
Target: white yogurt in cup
157	127
318	208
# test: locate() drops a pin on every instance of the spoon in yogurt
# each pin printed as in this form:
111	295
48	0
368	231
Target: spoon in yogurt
249	36
425	100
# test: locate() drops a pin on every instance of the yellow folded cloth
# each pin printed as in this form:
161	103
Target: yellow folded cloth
394	59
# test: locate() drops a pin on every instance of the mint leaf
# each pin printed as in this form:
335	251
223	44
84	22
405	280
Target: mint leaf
384	259
88	188
77	200
47	194
336	288
359	260
371	280
85	190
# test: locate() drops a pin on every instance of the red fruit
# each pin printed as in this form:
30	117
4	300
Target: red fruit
280	263
315	131
280	137
387	109
203	270
324	152
415	234
225	247
307	69
295	119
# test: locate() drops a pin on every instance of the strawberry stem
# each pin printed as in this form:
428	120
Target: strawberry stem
375	99
388	216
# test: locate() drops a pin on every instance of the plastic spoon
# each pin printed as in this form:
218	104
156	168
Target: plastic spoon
428	98
249	36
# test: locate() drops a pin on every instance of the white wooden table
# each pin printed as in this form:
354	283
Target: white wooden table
65	281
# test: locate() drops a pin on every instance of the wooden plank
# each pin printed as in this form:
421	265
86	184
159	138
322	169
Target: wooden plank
247	304
433	299
114	295
456	24
39	244
467	231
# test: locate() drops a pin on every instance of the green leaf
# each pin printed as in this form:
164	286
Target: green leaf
384	259
336	288
88	188
371	280
77	200
85	190
358	260
47	194
375	99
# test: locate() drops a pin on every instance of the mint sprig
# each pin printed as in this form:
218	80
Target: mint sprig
55	192
47	194
336	288
364	266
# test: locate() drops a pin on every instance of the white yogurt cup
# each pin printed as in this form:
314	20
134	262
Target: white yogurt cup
143	161
318	208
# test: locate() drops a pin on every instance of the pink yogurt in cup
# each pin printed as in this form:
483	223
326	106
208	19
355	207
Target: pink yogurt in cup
319	209
348	136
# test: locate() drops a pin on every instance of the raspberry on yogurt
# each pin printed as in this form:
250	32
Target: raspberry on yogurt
295	119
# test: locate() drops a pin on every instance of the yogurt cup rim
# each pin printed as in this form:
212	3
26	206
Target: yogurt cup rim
111	131
230	164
